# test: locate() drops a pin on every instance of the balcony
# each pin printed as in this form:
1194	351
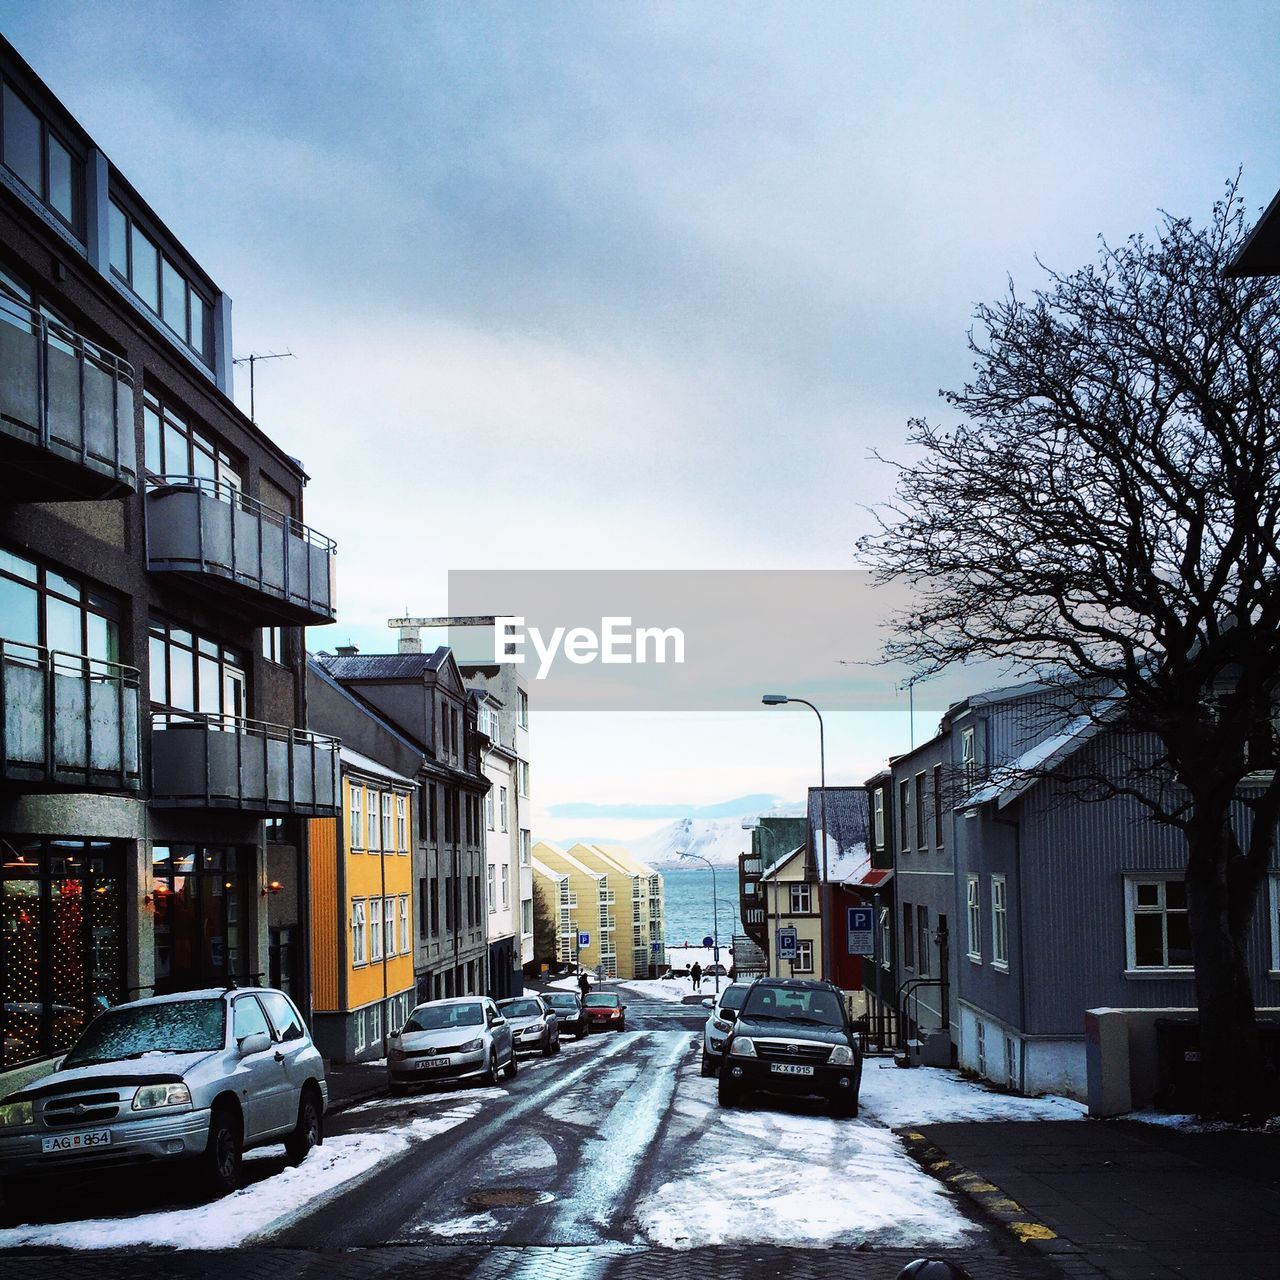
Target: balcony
67	720
66	412
278	570
224	762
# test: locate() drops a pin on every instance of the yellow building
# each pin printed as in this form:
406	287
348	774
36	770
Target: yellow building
637	903
557	896
582	905
362	912
791	901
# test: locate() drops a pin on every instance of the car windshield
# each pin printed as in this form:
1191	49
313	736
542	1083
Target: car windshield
440	1017
602	1001
732	997
820	1007
175	1026
520	1009
563	1001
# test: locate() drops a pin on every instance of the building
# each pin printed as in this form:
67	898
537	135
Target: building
772	838
156	776
585	907
641	887
422	696
552	895
363	917
503	711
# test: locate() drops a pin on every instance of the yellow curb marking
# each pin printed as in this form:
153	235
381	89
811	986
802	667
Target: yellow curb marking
1032	1231
999	1204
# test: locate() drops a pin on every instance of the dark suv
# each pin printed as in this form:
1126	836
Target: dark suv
793	1036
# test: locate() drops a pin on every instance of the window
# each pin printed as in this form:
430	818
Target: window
921	831
1273	882
375	928
357	815
522	705
432	829
158	281
804	956
248	1019
522	771
42	608
999	923
886	939
1159	936
388	836
450	904
877	818
974	917
968	761
389	927
284	1017
982	1048
34	154
273	644
800	899
274	832
190	672
404	924
434	904
358	953
502	807
488	810
492	881
526	847
402	824
904	810
908	937
375	1024
173	448
937	805
506	886
922	939
372	827
526	916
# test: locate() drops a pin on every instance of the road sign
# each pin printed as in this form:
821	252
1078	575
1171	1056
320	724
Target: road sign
862	941
708	941
584	939
656	948
786	944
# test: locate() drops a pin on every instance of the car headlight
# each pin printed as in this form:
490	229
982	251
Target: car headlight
472	1046
742	1047
841	1056
13	1114
161	1095
396	1055
721	1025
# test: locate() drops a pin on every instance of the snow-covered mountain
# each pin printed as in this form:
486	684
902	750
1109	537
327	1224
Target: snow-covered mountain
719	840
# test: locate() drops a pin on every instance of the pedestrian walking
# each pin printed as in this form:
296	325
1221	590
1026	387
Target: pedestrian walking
584	984
696	974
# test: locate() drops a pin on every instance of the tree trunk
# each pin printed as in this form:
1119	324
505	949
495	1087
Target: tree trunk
1220	890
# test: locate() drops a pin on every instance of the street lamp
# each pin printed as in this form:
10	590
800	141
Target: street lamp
777	700
715	913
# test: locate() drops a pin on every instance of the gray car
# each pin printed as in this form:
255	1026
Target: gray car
201	1075
458	1039
533	1024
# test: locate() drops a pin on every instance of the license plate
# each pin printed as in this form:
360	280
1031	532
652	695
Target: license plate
790	1069
432	1063
76	1141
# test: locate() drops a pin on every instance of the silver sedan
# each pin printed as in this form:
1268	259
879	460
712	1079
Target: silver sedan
458	1039
533	1024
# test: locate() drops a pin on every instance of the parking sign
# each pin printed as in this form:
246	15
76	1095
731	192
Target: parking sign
786	944
862	940
584	939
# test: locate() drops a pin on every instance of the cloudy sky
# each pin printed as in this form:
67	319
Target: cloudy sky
605	286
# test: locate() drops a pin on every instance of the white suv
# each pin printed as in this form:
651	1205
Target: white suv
724	1012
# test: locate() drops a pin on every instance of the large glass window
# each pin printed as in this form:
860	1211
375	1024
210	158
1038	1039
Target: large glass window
174	448
999	922
40	606
35	154
199	890
62	943
1159	935
190	672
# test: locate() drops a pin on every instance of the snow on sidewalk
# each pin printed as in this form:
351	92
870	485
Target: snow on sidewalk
671	990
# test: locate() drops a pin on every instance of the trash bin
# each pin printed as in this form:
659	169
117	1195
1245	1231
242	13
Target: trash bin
1177	1065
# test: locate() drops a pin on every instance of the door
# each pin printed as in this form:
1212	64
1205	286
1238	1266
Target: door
260	1079
502	1039
293	1043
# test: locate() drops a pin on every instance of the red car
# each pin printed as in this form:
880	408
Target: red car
605	1009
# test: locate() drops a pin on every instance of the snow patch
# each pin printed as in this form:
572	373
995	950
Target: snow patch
936	1095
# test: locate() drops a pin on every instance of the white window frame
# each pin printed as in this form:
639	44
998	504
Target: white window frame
526	917
1273	883
804	956
526	846
973	915
968	758
488	809
886	939
388	927
999	921
359	953
491	884
1131	909
388	832
877	818
522	708
356	815
406	938
502	807
801	899
375	1023
504	880
357	1020
375	930
402	823
372	824
904	814
522	776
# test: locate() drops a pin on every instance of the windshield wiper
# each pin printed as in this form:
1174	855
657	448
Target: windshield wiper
769	1017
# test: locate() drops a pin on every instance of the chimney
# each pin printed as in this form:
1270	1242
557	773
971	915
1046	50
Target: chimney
347	651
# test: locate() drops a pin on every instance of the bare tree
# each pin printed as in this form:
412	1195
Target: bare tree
1107	512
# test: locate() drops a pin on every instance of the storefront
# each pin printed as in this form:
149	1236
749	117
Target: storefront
62	948
201	905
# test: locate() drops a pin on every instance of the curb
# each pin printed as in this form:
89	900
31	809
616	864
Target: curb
997	1206
353	1100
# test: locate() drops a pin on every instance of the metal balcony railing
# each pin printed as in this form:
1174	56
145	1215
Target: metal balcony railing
281	569
226	762
66	412
68	719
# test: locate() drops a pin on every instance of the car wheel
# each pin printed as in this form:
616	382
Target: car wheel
622	1026
492	1079
309	1131
555	1044
581	1033
728	1094
513	1066
22	1199
397	1089
708	1065
547	1050
845	1107
221	1159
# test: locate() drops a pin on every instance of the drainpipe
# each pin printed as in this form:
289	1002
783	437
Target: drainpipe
382	868
1022	966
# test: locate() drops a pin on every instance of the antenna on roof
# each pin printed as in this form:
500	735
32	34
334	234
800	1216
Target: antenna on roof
251	359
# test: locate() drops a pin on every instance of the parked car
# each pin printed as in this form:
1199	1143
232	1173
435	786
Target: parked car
463	1038
533	1024
715	971
793	1036
200	1075
605	1009
569	1012
720	1020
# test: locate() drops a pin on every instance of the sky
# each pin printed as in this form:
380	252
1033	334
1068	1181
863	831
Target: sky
603	286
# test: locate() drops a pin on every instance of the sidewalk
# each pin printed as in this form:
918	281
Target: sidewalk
354	1082
1118	1199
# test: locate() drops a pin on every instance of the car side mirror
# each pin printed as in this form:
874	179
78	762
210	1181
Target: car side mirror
498	1022
708	1004
254	1042
730	1015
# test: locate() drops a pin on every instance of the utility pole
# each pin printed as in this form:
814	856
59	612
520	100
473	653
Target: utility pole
252	359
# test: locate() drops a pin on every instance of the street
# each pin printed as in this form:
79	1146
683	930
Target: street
611	1158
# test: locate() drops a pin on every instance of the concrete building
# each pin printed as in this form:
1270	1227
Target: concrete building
585	906
638	898
156	775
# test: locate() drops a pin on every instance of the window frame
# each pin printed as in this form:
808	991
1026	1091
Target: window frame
877	818
359	939
938	841
355	817
1161	878
375	930
1000	921
973	917
800	898
804	948
904	811
46	133
402	822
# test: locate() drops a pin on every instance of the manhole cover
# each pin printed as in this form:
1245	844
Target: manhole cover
508	1198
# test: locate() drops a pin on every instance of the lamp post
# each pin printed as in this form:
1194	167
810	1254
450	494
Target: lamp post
777	700
715	912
